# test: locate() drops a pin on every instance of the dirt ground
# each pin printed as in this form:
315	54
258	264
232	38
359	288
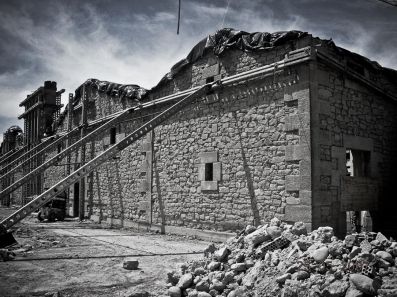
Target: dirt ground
75	258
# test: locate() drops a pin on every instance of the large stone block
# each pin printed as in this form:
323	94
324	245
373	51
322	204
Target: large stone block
209	185
208	157
292	182
297	152
297	213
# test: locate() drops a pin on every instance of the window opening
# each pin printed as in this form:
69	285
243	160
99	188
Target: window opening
209	171
112	135
357	163
59	147
358	221
209	79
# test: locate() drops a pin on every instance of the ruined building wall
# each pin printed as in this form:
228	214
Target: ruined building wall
349	115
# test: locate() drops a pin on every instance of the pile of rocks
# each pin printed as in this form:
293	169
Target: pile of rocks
278	259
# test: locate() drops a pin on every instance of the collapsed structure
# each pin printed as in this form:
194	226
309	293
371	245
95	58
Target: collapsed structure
287	126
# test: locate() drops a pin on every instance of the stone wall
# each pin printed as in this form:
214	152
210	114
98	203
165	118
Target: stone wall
349	115
250	127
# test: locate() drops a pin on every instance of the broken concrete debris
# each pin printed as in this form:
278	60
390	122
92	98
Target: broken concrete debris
130	264
280	259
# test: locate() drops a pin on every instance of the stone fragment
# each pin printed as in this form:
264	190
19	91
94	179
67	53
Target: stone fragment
375	243
281	279
228	278
130	264
382	239
191	293
383	264
363	283
199	271
213	265
275	222
204	294
365	246
320	254
238	292
292	269
302	274
302	244
173	277
274	231
385	256
325	233
336	289
299	228
210	250
353	292
350	240
203	286
355	251
249	229
217	285
185	281
257	237
221	254
238	267
174	292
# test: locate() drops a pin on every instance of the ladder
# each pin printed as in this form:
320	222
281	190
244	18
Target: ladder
103	157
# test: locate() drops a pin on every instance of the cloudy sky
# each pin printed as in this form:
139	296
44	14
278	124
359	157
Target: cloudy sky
135	41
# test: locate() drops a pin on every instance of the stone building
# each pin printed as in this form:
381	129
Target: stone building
307	132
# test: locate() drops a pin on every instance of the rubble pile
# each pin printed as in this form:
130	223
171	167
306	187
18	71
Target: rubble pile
279	259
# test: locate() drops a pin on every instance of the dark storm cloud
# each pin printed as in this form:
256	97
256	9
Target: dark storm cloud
134	41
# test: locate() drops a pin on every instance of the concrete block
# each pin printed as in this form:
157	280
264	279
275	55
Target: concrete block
130	264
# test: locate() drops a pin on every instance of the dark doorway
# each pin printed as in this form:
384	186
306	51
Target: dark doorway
76	199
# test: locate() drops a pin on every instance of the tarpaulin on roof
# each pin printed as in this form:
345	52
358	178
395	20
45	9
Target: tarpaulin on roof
133	92
228	38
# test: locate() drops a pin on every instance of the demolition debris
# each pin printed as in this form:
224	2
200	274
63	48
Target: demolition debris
278	259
